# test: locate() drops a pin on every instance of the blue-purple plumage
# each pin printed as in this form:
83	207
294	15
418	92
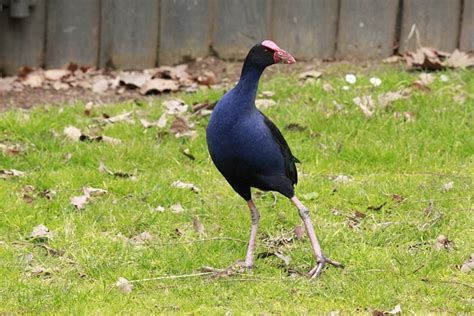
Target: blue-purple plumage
246	147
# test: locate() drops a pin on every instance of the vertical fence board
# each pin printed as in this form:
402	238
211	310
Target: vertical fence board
72	33
466	42
22	42
129	34
184	30
367	28
306	28
239	25
436	20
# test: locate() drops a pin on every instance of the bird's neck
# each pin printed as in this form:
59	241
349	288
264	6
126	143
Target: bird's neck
248	82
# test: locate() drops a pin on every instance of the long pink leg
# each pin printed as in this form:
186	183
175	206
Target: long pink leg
255	215
321	259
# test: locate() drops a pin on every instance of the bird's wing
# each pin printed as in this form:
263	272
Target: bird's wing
290	160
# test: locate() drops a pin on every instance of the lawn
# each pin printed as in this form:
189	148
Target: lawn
380	189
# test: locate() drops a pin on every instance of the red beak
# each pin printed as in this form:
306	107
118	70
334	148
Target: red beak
280	56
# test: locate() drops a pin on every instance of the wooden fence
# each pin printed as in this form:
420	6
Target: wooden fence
134	34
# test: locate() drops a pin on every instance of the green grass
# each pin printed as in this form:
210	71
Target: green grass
387	256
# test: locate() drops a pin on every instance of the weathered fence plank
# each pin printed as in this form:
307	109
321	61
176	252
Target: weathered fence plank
184	30
129	34
22	42
466	42
306	28
437	22
367	28
72	32
240	24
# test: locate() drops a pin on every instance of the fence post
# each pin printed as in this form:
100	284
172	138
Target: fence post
129	33
466	42
185	30
437	22
239	25
367	28
72	32
306	28
22	39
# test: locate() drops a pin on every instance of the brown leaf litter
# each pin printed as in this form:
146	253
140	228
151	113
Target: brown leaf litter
80	201
428	58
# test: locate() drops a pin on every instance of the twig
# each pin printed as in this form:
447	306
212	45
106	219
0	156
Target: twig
449	282
201	240
171	277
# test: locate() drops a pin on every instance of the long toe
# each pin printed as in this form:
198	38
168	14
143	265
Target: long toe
237	267
318	269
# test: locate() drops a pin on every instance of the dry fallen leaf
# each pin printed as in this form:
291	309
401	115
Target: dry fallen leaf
443	243
328	87
395	311
157	86
13	150
459	59
385	99
100	86
175	106
5	174
198	226
79	201
425	58
111	140
141	238
181	128
267	94
133	80
127	117
34	80
177	208
6	84
56	74
41	232
207	77
89	191
310	74
264	103
468	265
124	285
366	104
448	186
103	169
72	133
160	123
183	185
342	179
39	271
392	59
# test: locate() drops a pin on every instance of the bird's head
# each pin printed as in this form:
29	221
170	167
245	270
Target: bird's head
268	53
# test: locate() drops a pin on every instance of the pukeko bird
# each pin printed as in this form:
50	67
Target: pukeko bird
250	151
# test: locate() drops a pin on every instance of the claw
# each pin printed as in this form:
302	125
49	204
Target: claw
235	268
318	269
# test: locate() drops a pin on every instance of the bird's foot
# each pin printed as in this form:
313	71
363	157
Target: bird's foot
237	267
316	271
